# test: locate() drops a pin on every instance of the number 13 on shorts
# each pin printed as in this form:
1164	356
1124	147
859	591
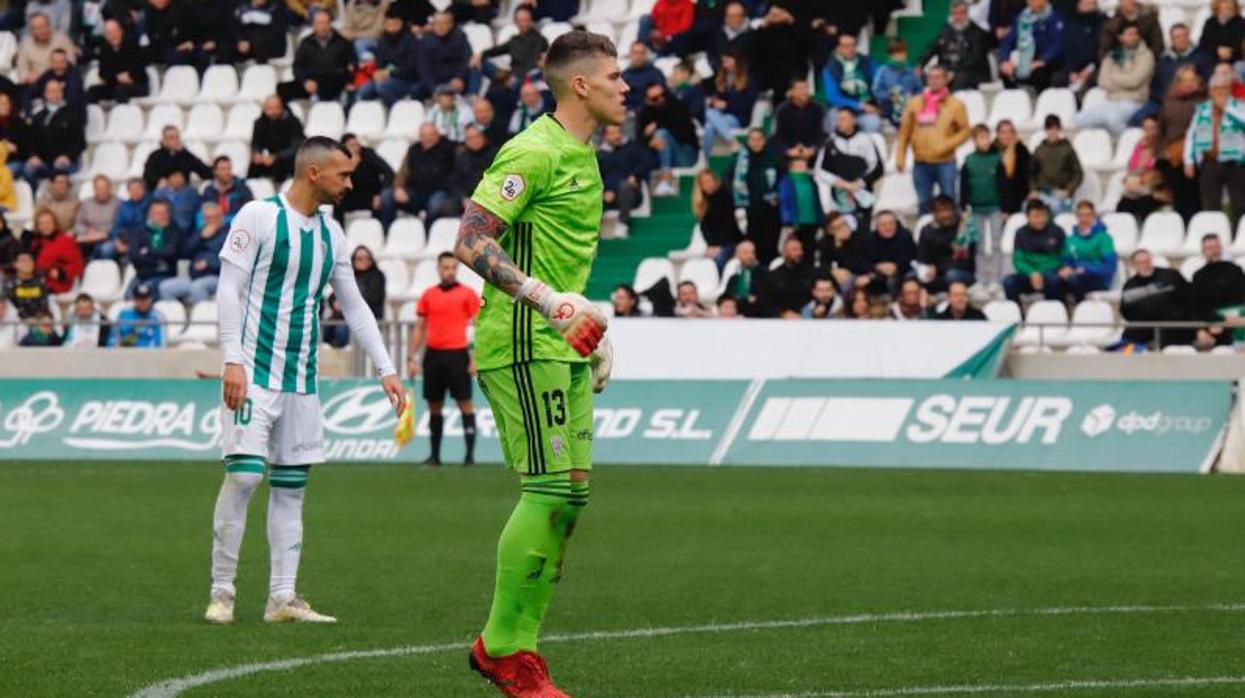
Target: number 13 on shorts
543	413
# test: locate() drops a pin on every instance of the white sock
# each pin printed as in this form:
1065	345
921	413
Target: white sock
228	525
285	539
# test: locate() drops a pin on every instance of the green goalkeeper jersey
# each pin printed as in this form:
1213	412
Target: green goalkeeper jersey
546	186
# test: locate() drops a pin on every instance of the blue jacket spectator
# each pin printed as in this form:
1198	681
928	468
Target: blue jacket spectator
182	198
139	325
1032	52
231	194
445	54
639	74
798	202
207	250
691	94
131	213
399	54
631	159
154	247
848	77
893	84
1082	38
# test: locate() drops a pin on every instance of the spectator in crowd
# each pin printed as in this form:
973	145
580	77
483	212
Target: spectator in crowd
274	141
260	28
727	308
423	179
206	33
841	251
639	74
362	24
799	123
946	247
95	217
371	280
1055	171
304	11
59	13
57	258
784	45
1144	189
163	27
42	333
449	114
503	96
626	301
555	10
417	13
1132	12
230	191
788	287
934	123
25	289
714	208
624	165
825	303
1089	258
958	307
61	69
532	106
859	306
171	157
755	185
122	68
478	11
1082	42
322	64
152	248
730	105
183	199
1179	105
59	198
962	48
14	135
688	89
524	48
1220	283
1125	74
473	158
131	213
667	18
335	331
1181	53
1032	52
1037	256
848	82
733	35
202	248
1223	32
371	176
981	198
140	325
894	82
687	304
912	301
668	129
87	327
1002	14
9	247
888	253
799	205
847	168
57	138
34	53
397	60
1155	294
746	284
1214	148
8	190
486	118
1015	165
445	55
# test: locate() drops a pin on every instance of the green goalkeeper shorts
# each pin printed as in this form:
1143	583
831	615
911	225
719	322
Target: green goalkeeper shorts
543	413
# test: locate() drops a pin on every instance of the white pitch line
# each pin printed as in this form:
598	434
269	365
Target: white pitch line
174	687
1055	687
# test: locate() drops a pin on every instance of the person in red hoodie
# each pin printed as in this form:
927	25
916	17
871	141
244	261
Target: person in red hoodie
57	256
669	17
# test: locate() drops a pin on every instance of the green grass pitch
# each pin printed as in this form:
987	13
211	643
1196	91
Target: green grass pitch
104	576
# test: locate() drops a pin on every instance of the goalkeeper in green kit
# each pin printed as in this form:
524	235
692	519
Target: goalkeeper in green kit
531	231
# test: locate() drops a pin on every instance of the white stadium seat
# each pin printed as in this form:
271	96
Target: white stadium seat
367	120
326	119
704	273
392	151
138	159
125	124
1190	266
469	278
206	122
1067	221
650	271
506	33
174	315
1180	350
1205	223
1083	349
975	104
696	247
1093	149
261	188
25	204
424	277
405	240
404	119
1002	312
1238	242
1012	105
258	82
1014	222
1053	316
639	8
110	160
1115	191
627	36
180	85
1059	101
441	238
1095	97
897	193
1087	325
220	84
1125	147
553	30
199	149
241	122
102	279
1123	230
365	232
397	279
96	123
478	35
159	117
1163	233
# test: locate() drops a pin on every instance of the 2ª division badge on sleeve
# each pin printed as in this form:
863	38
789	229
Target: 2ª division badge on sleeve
512	186
239	240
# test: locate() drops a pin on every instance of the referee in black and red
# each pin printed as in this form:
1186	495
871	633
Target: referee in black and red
444	312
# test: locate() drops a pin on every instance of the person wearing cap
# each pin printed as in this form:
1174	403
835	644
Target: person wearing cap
1214	147
140	324
449	114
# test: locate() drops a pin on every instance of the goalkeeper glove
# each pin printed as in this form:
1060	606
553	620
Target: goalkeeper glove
579	322
602	364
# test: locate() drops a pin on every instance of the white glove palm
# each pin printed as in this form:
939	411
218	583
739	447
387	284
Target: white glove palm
602	364
580	323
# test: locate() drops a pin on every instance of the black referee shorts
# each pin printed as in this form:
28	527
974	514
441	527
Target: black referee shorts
446	370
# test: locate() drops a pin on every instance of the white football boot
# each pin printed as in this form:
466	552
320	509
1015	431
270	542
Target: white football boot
220	608
296	610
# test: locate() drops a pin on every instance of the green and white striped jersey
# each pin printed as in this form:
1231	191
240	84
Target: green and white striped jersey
289	259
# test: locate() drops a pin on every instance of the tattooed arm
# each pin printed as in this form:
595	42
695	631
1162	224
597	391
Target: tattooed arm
477	247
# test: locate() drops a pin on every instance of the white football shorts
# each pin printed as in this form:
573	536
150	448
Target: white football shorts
285	428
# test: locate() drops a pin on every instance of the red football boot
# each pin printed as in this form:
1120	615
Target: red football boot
519	675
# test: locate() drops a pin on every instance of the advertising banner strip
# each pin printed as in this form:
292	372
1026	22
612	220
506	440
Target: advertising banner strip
945	423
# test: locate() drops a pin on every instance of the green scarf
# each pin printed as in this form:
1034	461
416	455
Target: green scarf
855	83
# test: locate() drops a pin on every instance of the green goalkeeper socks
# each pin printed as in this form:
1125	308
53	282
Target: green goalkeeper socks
529	560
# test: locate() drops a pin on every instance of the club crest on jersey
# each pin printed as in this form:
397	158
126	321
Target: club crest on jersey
240	240
512	186
556	444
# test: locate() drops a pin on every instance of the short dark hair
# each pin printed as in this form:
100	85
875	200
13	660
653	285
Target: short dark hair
221	158
84	297
957	283
1085	203
942	200
444	256
522	8
896	44
1210	236
1139	251
570	48
1053	121
24	253
627	289
1036	205
1128	24
981	128
310	147
724	299
160	202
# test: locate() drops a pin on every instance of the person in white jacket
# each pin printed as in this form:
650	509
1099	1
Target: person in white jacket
846	168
